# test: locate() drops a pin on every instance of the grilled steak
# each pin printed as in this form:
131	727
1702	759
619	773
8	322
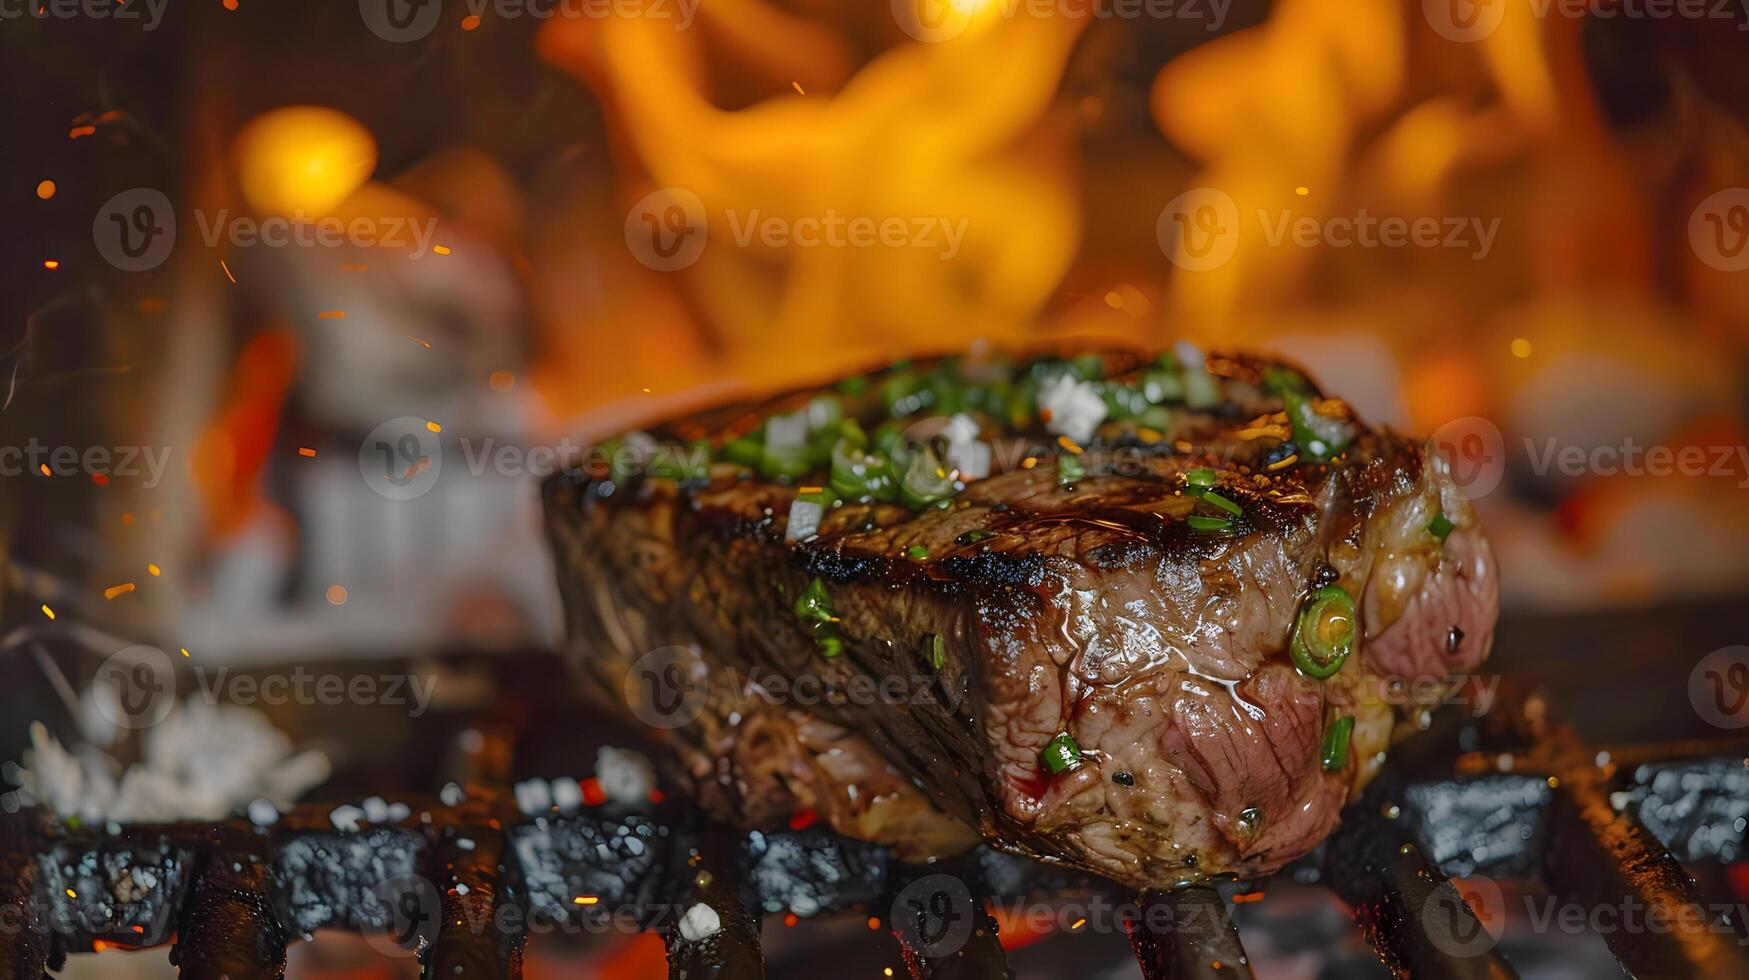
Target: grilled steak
1158	618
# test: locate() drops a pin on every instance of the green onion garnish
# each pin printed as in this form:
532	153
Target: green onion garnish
856	474
1336	743
1069	469
1062	754
1199	479
814	608
1441	526
746	451
1198	522
917	551
1324	634
926	479
1209	496
936	649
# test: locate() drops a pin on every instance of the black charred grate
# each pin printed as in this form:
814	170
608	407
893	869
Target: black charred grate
457	883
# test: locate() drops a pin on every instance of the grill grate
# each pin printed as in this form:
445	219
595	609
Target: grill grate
460	882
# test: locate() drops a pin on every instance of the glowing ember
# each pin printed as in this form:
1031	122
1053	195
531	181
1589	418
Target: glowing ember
50	613
154	570
115	590
336	595
306	451
303	158
46	189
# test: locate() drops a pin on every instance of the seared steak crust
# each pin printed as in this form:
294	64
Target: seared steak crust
1032	605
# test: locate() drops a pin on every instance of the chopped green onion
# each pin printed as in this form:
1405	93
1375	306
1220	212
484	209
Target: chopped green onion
1062	754
814	608
936	648
786	462
1123	401
926	480
682	465
1336	743
815	604
1162	385
974	536
1441	526
1069	468
748	451
906	394
824	410
917	551
1088	367
1198	522
1320	439
856	475
1209	496
1324	634
1199	479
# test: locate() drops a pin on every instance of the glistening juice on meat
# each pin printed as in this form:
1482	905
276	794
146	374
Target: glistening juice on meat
1158	617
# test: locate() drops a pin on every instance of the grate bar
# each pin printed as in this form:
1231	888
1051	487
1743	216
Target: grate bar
229	929
1600	858
979	957
24	948
732	952
1187	934
474	940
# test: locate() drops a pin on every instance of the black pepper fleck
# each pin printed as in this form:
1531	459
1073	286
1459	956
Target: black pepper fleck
1123	778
